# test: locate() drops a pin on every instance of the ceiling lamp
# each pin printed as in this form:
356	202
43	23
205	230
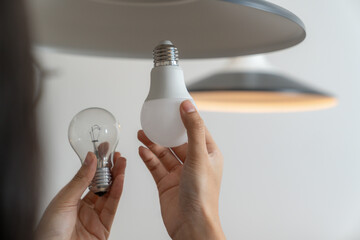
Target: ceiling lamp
250	84
131	28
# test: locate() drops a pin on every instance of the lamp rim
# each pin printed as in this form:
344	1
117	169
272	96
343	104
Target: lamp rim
271	8
252	81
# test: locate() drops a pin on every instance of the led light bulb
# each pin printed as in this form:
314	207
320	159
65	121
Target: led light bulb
160	114
95	130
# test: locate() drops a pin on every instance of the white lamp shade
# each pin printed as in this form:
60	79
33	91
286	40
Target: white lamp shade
199	28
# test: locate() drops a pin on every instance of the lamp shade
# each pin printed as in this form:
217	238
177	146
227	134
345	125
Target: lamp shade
260	91
130	28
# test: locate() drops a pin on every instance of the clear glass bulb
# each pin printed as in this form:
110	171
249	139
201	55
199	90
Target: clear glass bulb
160	114
95	130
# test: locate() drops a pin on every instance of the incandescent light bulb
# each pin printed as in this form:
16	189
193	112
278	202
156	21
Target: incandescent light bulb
160	114
95	130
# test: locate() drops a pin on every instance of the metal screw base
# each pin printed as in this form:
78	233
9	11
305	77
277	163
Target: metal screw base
101	182
166	54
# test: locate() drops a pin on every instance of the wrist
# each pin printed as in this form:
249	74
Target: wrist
200	229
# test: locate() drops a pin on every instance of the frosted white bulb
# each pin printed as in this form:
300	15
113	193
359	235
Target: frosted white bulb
95	130
160	114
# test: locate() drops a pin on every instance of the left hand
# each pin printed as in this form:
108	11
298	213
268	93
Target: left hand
70	217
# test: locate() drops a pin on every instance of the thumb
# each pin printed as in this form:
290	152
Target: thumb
195	128
82	179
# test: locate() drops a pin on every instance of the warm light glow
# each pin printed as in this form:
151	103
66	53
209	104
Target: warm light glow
260	101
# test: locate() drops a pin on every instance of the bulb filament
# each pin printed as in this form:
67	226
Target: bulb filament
101	150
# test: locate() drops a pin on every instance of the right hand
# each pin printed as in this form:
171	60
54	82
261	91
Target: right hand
188	190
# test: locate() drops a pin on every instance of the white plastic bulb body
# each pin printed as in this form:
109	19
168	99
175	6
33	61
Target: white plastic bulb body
160	114
95	130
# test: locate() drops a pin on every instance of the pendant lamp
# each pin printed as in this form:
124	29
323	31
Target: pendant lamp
251	84
131	28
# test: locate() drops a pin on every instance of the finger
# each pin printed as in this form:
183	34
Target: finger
90	199
108	212
99	205
76	187
163	154
157	170
180	151
119	166
210	143
116	156
195	130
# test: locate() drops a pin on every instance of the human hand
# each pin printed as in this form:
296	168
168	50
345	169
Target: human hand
188	189
70	217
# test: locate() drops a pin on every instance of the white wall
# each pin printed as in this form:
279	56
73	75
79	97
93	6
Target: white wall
287	176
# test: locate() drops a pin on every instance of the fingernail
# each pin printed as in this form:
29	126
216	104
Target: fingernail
141	148
88	159
117	154
188	107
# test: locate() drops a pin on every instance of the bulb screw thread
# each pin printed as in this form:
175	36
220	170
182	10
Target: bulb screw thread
166	54
101	182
